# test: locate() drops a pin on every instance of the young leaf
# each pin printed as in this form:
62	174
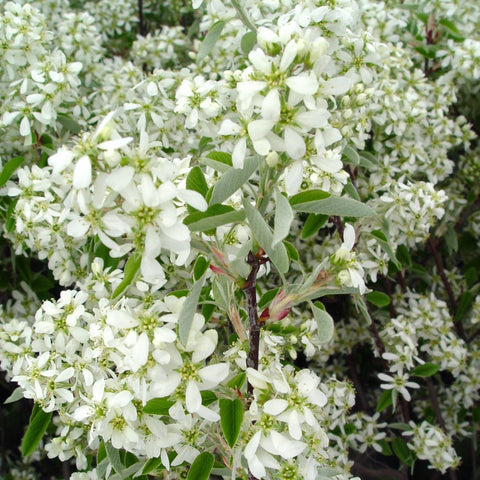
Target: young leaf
188	310
362	307
385	401
401	450
232	180
131	268
16	395
248	42
158	406
320	202
379	299
152	464
199	267
9	168
425	370
210	40
201	467
267	297
231	417
114	457
213	217
313	224
283	218
292	251
39	421
196	181
237	381
324	322
261	231
351	155
403	256
464	303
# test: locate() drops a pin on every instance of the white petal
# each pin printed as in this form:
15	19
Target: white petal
289	55
238	154
294	177
336	86
120	319
214	373
303	84
193	198
271	106
78	228
294	143
259	128
275	406
82	174
229	128
25	127
193	399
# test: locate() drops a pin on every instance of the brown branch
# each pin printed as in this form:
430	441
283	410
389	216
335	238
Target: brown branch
251	293
451	296
357	383
141	24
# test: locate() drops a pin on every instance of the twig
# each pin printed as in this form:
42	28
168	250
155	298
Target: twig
141	24
451	296
251	292
358	384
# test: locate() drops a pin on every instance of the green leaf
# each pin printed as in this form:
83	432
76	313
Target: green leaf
403	256
196	181
385	400
210	40
248	42
39	421
152	464
401	450
451	239
261	231
101	452
237	381
208	397
213	217
320	202
464	303
292	251
350	189
379	299
267	297
9	168
130	271
324	321
283	218
11	218
232	180
386	450
313	223
231	417
114	457
425	370
219	161
68	123
201	467
188	310
200	267
362	307
158	406
351	155
16	395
